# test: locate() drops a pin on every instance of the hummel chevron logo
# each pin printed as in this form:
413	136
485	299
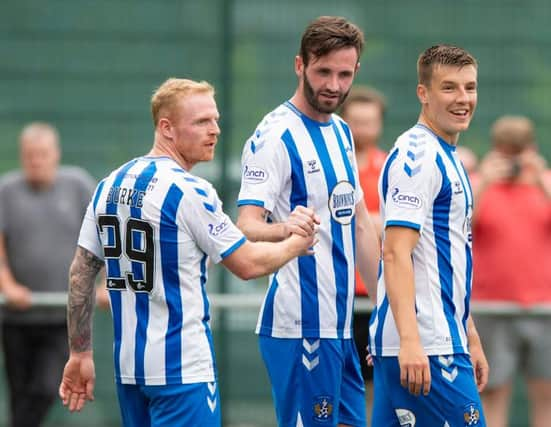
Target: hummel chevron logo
258	146
415	156
445	361
211	400
310	364
416	140
418	136
412	171
211	403
211	204
310	348
412	165
450	376
212	388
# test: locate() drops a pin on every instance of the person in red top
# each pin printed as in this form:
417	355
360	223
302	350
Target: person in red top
511	256
364	111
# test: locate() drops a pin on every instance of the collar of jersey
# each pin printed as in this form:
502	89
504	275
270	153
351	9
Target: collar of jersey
445	145
163	158
157	158
303	116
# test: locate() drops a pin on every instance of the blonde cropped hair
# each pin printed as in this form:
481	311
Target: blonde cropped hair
165	98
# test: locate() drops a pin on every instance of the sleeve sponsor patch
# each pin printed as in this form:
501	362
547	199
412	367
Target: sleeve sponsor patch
405	199
254	174
218	229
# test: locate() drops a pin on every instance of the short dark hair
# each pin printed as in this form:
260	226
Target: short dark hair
328	33
364	94
441	54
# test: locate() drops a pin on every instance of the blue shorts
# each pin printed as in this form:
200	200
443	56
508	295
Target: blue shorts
453	400
195	404
315	382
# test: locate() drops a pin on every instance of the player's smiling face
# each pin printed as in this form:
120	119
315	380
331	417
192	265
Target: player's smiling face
449	101
195	128
326	81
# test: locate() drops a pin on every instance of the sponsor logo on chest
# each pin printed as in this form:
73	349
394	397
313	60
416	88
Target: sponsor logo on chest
342	202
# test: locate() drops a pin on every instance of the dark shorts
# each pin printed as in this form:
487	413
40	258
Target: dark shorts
514	344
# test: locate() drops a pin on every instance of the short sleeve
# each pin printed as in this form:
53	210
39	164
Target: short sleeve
212	230
88	237
265	167
413	180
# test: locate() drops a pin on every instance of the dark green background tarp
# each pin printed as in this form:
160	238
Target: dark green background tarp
90	66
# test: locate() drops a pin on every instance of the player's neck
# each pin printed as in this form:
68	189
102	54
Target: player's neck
163	148
305	108
451	139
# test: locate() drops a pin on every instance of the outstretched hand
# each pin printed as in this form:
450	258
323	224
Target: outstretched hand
77	383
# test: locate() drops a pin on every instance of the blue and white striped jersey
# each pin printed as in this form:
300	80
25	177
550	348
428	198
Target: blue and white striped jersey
292	160
155	225
424	186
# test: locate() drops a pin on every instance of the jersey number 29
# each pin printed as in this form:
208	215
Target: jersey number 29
138	248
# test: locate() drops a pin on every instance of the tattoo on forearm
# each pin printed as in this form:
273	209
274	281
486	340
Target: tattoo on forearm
82	275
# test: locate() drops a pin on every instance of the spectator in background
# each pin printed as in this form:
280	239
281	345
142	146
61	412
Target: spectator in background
41	208
512	253
364	111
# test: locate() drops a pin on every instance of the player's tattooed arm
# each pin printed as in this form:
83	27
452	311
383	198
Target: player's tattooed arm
82	276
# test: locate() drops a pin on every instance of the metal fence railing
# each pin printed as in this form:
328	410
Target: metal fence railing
254	300
245	389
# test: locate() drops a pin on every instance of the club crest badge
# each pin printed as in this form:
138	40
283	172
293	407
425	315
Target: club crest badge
323	409
471	414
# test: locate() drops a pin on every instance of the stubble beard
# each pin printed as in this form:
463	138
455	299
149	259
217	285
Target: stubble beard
312	98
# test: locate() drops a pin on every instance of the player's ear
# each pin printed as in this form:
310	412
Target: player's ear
422	93
165	128
299	66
